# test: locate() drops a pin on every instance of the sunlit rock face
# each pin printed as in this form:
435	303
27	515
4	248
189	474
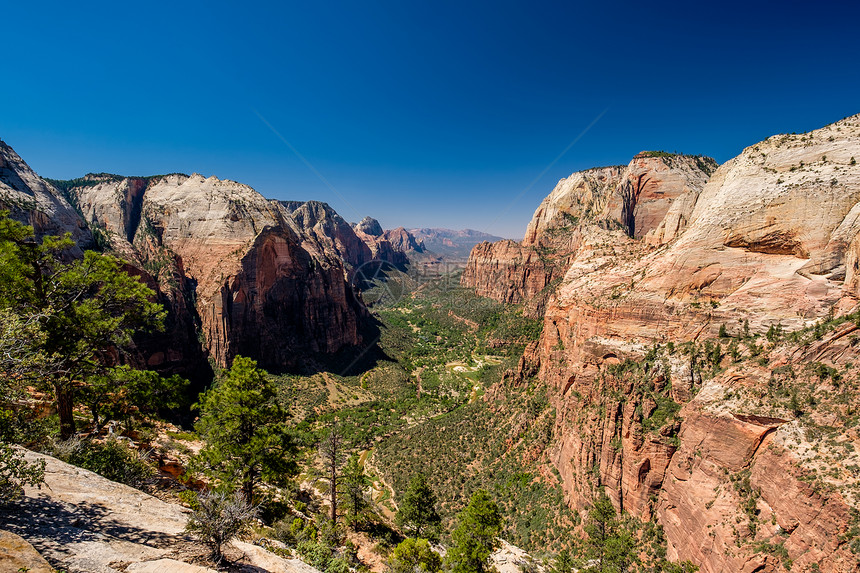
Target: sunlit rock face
266	279
670	249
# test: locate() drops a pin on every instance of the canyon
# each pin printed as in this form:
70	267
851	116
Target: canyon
699	338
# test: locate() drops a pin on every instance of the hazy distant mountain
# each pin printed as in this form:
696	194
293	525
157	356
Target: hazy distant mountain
450	242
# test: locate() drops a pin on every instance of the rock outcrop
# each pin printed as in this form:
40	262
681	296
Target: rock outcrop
393	246
324	231
635	200
666	252
82	522
266	279
36	202
18	555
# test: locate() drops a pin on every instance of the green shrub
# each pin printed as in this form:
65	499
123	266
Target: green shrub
316	554
16	472
112	459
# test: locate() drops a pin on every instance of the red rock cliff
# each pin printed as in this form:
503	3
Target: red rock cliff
718	434
266	279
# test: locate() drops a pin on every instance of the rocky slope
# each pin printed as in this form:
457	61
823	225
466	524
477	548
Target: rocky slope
324	231
84	523
33	201
667	391
635	200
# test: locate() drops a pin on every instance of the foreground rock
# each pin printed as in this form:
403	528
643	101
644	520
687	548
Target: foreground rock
18	555
83	523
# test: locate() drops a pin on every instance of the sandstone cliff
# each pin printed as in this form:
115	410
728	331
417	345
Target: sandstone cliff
324	231
393	246
265	279
668	393
635	200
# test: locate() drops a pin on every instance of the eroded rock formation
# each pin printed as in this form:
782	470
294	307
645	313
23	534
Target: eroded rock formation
669	277
35	202
633	199
394	246
265	278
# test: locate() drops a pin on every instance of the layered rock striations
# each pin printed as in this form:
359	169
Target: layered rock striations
581	209
394	246
324	231
267	278
668	395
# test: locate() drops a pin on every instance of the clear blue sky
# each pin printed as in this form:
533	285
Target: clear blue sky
418	113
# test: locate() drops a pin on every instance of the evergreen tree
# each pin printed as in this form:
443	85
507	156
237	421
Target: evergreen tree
70	314
333	452
418	507
476	535
611	546
563	563
353	483
247	440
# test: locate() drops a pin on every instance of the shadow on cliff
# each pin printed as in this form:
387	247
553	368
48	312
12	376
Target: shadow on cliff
353	360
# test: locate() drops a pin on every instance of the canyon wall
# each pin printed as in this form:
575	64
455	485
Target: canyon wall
35	202
268	278
668	394
634	199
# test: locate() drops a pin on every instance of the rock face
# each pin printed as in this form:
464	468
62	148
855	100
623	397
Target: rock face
324	231
393	246
18	555
660	252
81	521
35	202
635	200
266	278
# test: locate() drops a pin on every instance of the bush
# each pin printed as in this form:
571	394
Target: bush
316	554
219	518
414	556
112	459
15	473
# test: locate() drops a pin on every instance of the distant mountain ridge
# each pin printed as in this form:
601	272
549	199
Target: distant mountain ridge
450	242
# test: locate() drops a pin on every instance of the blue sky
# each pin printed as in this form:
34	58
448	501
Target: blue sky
417	113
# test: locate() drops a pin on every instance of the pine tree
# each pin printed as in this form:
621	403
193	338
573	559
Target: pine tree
71	314
353	483
476	535
418	507
247	441
333	453
611	546
414	556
